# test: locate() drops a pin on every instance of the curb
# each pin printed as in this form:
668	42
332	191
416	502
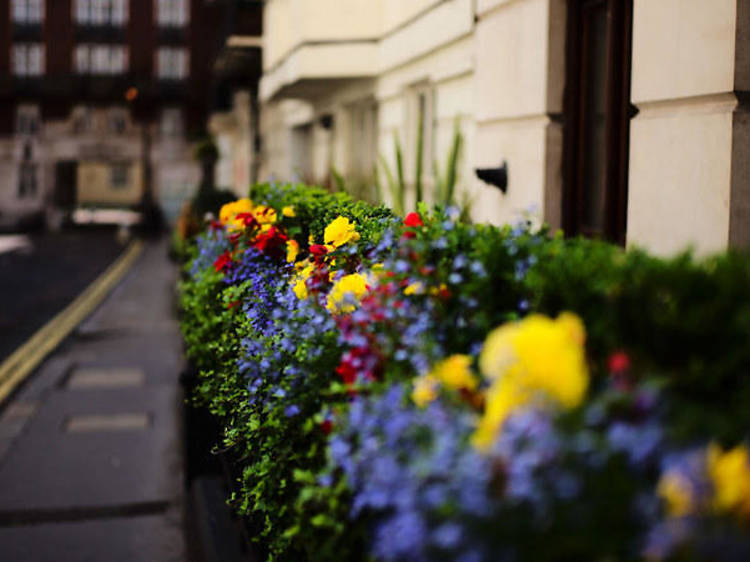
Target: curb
18	366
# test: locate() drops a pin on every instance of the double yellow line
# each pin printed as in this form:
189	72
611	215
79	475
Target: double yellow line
26	358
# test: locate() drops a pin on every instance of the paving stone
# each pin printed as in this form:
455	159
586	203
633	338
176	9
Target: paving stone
103	377
107	422
12	428
51	469
151	538
158	355
19	410
97	473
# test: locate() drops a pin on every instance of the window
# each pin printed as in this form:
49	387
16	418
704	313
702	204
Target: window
100	59
172	13
101	12
27	119
171	122
172	63
27	185
118	120
597	113
82	121
28	59
118	176
28	11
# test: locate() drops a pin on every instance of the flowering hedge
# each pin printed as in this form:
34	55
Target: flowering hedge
425	389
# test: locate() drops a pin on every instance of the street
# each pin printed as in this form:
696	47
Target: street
43	272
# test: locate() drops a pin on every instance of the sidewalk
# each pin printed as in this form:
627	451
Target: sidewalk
90	448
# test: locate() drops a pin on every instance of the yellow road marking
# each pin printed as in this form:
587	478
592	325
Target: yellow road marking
26	358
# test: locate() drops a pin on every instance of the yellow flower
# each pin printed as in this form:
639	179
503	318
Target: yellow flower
677	493
455	372
437	290
264	215
304	270
730	474
416	288
340	231
535	360
288	211
229	211
292	249
353	285
425	390
300	289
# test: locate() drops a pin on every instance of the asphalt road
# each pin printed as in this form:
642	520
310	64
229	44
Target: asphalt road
37	281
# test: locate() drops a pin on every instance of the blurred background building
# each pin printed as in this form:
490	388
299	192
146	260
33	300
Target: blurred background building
621	119
99	99
624	119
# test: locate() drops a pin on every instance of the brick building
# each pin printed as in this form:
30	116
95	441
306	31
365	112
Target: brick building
99	99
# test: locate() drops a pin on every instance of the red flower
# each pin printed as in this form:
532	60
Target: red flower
232	304
271	242
247	218
408	234
619	362
318	250
216	225
326	426
347	373
619	369
413	220
223	261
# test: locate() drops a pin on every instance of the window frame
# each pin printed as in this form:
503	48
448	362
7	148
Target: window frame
33	12
169	125
27	113
617	114
25	50
113	13
28	180
172	13
92	53
119	175
172	63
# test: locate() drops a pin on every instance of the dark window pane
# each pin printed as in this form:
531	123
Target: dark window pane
594	157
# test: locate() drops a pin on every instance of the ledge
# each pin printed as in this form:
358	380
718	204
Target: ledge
311	67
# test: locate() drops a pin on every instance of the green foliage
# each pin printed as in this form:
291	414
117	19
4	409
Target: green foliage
684	322
396	184
420	157
211	200
338	180
206	150
679	317
445	185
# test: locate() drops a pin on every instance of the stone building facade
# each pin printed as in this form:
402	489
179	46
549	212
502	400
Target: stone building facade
101	99
621	119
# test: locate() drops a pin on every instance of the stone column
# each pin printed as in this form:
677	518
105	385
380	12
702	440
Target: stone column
689	182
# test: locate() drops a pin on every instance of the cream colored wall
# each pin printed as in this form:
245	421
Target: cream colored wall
682	147
493	77
499	67
94	187
232	131
295	22
519	46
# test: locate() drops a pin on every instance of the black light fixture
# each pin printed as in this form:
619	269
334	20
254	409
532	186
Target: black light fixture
326	121
495	176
